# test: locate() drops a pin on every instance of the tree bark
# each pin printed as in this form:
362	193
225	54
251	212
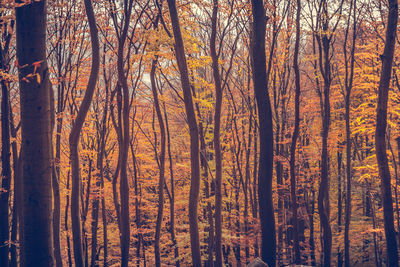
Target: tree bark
380	133
161	180
124	144
75	133
324	42
267	217
217	141
349	85
292	161
37	244
6	155
172	200
194	136
5	166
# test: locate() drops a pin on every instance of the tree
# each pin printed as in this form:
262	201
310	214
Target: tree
380	133
5	147
267	220
37	244
194	135
75	135
294	138
349	77
217	142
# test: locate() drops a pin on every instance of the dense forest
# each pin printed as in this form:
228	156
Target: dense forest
199	133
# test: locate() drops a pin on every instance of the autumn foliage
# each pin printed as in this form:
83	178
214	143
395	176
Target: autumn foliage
199	133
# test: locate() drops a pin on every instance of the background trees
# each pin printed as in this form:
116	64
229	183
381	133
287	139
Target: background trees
178	133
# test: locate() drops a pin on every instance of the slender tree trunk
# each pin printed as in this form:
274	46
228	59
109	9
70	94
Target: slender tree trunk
323	194
194	136
339	198
161	181
380	134
5	168
37	245
255	175
16	230
172	200
74	137
292	161
349	85
99	186
124	144
267	217
217	141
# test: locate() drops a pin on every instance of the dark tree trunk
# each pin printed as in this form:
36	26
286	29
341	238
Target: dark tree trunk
124	142
161	161
267	217
172	200
194	136
217	141
295	135
349	85
74	137
37	244
5	166
380	134
324	42
5	185
17	196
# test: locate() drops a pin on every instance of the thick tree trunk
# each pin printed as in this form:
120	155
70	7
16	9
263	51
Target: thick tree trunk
267	217
37	245
194	136
380	134
74	137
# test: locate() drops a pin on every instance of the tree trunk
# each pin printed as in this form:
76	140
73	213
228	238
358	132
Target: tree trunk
161	180
124	143
194	136
323	194
74	137
292	161
217	141
380	133
349	85
5	167
37	245
172	200
267	217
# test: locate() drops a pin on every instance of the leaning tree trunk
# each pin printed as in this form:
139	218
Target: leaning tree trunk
75	133
194	136
267	219
380	134
37	243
